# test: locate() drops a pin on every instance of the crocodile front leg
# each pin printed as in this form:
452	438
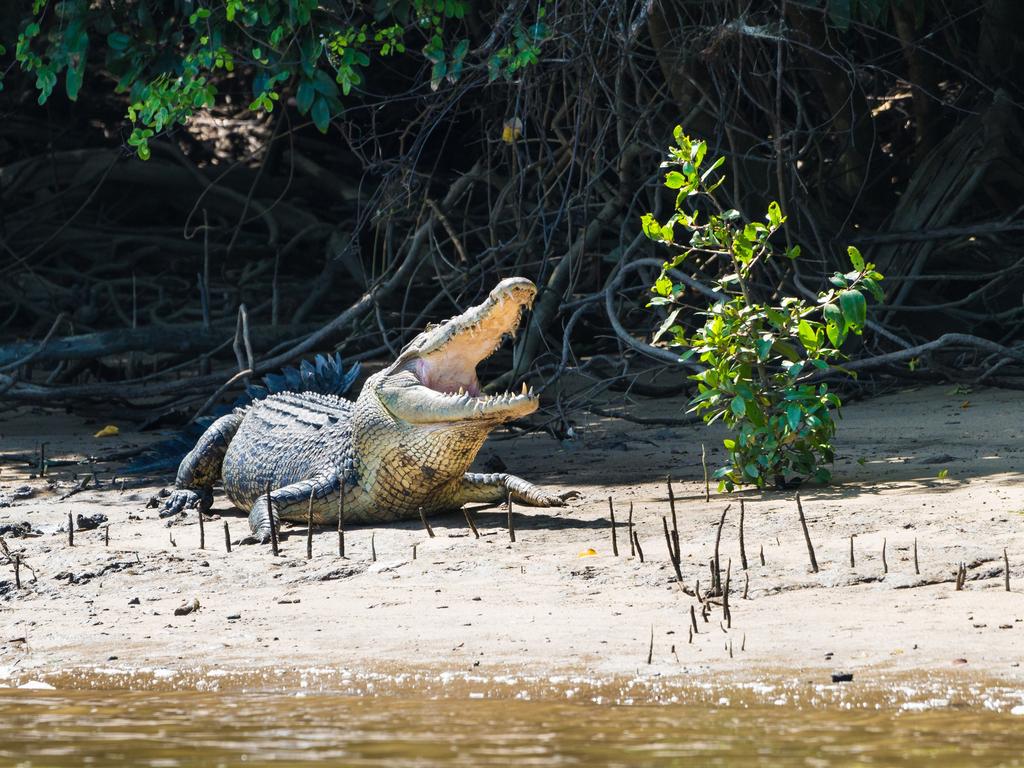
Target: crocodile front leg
200	469
291	502
494	488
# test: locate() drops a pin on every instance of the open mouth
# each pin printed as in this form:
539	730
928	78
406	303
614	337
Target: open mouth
443	360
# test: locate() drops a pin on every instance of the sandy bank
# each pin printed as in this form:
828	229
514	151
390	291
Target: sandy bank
537	607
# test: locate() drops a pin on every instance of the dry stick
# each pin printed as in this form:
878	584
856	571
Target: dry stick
691	632
675	548
650	648
42	459
639	549
675	523
615	541
726	613
1006	569
71	531
273	527
469	521
762	554
17	571
746	585
341	521
629	526
693	619
730	647
414	551
426	525
717	568
373	547
227	537
511	525
106	535
743	549
885	563
707	484
170	536
807	535
743	645
309	527
853	561
202	531
671	552
917	568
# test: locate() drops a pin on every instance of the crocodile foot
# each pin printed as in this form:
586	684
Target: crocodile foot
185	498
257	537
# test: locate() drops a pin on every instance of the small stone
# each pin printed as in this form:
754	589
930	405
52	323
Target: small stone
233	616
842	677
134	601
186	608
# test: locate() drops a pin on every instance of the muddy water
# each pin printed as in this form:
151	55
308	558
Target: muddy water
177	727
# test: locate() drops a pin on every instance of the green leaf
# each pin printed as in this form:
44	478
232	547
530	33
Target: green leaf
650	226
669	322
674	180
738	406
876	290
807	335
774	215
321	114
718	163
855	258
304	96
793	413
854	307
118	41
751	470
73	80
699	150
764	348
730	445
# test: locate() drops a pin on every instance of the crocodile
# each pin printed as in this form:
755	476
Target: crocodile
403	448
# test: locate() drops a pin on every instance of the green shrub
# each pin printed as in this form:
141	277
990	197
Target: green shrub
761	360
169	57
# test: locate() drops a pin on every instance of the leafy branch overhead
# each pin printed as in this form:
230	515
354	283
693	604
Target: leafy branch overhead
173	59
762	360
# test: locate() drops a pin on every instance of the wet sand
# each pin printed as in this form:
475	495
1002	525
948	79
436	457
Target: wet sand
539	607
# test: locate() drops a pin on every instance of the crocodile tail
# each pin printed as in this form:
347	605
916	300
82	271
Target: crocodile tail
324	374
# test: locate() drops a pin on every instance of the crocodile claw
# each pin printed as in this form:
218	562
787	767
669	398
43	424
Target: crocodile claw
257	537
180	500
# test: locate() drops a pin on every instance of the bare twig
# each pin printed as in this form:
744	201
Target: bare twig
807	535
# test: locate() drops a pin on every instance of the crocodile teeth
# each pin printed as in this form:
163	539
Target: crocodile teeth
524	387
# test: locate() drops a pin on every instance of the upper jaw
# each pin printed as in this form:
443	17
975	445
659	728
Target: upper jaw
434	379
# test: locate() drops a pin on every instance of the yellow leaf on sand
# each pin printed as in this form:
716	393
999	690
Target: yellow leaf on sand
108	431
587	553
